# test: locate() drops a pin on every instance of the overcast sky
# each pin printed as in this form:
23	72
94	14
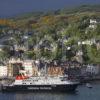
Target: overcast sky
13	7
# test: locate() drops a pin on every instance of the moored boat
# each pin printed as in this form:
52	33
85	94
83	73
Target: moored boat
88	85
42	83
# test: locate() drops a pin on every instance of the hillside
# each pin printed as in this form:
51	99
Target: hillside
48	32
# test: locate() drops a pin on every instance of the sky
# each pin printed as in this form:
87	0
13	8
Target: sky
14	7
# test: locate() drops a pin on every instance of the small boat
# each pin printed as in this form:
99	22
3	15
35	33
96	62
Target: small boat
88	85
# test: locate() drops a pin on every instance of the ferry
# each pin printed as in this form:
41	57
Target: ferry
41	83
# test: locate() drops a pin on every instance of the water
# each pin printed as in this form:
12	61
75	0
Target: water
83	93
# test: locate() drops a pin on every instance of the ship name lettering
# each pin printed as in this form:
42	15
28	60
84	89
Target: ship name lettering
34	88
45	88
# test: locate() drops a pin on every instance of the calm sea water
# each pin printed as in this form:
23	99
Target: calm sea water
83	93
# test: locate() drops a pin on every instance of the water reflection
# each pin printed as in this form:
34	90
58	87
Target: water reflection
43	96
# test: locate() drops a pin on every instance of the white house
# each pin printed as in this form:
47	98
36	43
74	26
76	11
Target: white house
93	23
27	64
98	44
3	71
92	69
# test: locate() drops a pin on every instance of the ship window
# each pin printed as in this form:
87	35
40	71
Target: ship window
30	83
